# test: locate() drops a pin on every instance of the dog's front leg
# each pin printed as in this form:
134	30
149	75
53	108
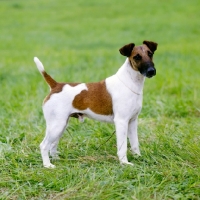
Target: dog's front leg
133	136
121	133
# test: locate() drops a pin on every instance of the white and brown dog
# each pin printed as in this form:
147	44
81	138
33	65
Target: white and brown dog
117	99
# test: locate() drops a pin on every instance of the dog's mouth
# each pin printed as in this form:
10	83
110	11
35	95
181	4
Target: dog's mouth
148	70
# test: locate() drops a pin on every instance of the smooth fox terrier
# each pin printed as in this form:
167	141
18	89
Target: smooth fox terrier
117	99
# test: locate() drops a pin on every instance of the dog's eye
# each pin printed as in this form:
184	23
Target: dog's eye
137	57
150	54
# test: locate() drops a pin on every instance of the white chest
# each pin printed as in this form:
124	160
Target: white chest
126	103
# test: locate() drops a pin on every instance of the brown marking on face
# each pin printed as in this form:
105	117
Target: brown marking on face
140	54
141	59
58	88
96	98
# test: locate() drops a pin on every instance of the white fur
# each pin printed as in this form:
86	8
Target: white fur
122	87
39	64
126	107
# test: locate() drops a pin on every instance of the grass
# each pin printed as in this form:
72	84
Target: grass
79	41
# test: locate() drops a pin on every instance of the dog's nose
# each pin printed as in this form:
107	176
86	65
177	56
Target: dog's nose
151	72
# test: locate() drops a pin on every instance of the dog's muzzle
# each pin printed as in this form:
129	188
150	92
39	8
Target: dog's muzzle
151	71
147	69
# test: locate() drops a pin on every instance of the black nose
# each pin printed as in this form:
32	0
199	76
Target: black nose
151	72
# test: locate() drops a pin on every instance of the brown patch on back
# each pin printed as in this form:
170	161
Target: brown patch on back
58	88
96	98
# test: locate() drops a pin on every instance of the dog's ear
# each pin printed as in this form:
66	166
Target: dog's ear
151	45
127	49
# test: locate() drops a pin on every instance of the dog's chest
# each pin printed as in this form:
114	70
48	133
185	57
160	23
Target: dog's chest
126	102
136	106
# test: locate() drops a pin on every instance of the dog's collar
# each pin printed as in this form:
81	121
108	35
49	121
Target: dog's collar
128	87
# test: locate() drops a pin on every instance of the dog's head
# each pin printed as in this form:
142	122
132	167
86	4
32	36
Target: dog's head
141	57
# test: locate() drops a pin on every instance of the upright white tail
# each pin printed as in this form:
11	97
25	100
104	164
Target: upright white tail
51	82
39	64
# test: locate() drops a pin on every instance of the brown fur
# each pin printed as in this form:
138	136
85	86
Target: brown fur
130	50
51	82
152	45
96	98
142	51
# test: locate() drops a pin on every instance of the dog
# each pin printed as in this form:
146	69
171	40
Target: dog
117	99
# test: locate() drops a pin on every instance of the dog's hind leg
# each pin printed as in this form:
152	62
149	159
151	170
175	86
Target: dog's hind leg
133	136
53	150
53	133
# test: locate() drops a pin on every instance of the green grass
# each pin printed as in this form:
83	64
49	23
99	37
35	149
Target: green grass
79	41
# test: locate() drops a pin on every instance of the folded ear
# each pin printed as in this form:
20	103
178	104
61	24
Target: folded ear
127	49
151	45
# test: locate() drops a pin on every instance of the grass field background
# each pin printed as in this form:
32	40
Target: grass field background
79	41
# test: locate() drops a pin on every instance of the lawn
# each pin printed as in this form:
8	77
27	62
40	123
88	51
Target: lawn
78	41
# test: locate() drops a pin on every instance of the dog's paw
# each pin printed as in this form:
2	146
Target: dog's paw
126	163
136	151
50	166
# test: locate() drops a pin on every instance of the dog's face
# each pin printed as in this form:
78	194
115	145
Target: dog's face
141	57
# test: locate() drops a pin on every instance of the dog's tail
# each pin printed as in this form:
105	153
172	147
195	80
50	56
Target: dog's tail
51	82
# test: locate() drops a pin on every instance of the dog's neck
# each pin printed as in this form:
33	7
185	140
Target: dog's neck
132	78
